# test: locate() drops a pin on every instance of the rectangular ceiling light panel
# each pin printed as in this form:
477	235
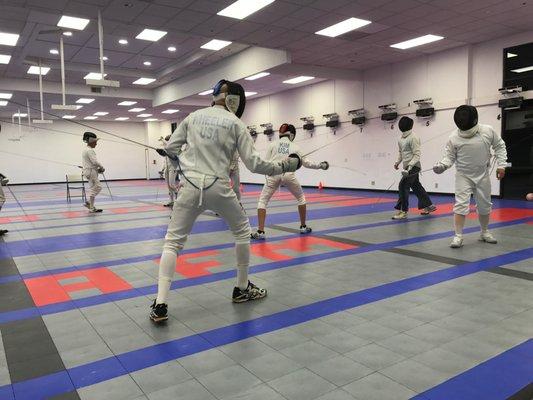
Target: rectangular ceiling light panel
8	39
151	35
143	81
342	27
298	79
33	70
257	76
418	41
215	44
5	58
242	8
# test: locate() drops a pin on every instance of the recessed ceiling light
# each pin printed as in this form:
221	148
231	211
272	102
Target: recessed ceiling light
6	95
150	119
151	34
169	111
298	79
418	41
34	70
94	75
171	48
143	81
21	115
257	76
342	27
144	115
73	22
147	63
3	103
84	100
54	51
91	117
242	8
248	94
69	116
123	41
5	58
126	103
101	113
68	33
525	69
138	109
215	44
121	119
9	39
210	91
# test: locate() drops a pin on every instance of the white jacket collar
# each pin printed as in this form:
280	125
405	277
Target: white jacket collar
470	132
406	133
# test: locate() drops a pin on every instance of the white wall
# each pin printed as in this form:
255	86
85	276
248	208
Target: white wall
364	159
122	160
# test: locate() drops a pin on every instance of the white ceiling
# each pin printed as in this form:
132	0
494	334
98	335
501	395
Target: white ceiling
285	24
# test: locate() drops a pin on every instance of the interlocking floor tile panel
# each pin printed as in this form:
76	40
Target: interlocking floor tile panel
364	308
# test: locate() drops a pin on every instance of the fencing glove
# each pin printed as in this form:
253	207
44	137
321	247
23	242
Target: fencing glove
101	170
324	165
439	168
161	152
291	163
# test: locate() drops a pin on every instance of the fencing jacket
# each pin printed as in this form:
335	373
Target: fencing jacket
280	149
213	135
471	151
89	161
409	150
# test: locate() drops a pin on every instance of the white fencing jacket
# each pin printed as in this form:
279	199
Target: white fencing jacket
89	161
280	149
470	151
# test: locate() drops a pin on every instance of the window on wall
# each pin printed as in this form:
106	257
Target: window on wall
518	66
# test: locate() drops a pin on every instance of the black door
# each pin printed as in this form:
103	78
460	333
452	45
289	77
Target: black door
517	132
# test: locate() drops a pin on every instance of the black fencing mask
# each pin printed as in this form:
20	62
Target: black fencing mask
235	99
405	124
465	117
87	136
287	130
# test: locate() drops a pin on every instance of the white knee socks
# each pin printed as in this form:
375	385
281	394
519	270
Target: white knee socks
243	262
167	266
484	222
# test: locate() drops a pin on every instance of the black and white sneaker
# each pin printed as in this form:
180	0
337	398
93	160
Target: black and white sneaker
428	210
169	204
252	292
158	312
304	229
3	232
95	210
259	235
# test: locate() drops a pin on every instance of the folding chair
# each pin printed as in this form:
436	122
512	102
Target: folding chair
75	179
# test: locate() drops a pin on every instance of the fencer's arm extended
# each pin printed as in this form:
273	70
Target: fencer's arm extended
250	157
450	155
415	149
307	163
178	139
500	152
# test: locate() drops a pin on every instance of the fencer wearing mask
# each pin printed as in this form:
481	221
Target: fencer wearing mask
409	158
213	135
91	169
171	176
469	148
3	182
277	151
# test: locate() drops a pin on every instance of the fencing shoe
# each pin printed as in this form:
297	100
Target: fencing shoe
400	215
259	235
457	242
95	210
169	204
304	229
428	210
487	238
252	292
3	232
158	312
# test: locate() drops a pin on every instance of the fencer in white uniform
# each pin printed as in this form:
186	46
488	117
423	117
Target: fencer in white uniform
235	175
3	182
171	176
277	151
469	148
213	135
91	169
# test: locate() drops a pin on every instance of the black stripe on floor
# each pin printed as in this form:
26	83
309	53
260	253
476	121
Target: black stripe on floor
29	349
524	394
405	252
528	276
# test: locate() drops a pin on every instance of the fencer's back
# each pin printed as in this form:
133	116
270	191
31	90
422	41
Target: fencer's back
211	136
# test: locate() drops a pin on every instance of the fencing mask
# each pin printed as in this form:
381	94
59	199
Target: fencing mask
465	117
287	130
234	98
405	124
89	137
